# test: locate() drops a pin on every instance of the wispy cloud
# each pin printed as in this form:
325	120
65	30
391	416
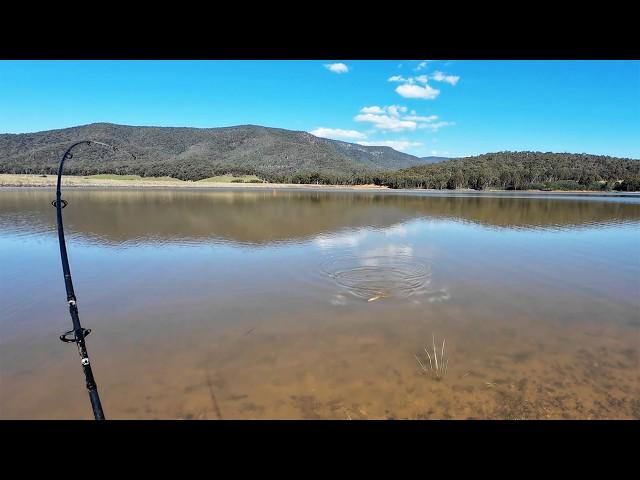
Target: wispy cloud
410	80
408	90
436	126
441	77
392	118
386	122
421	66
338	133
336	67
374	109
386	118
395	110
411	89
416	118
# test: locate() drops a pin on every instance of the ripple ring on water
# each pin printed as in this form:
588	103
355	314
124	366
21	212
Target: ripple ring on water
374	277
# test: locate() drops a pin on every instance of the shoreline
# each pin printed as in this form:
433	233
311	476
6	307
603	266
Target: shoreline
19	181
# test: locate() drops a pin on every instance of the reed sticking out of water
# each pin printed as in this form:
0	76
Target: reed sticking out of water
436	368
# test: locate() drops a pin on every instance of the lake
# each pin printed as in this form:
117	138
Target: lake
239	304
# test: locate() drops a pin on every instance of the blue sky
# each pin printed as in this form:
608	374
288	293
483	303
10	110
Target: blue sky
433	107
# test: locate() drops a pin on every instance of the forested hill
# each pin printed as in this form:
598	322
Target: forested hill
194	153
521	171
286	156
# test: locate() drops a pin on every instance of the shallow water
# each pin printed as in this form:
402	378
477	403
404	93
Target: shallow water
288	304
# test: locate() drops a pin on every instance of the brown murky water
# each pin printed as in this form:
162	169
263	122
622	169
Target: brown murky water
282	304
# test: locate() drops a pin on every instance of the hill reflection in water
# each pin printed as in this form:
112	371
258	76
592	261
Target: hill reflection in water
276	216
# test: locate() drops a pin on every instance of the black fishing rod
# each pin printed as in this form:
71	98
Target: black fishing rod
78	334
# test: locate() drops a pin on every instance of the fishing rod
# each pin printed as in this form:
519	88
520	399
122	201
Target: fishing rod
78	334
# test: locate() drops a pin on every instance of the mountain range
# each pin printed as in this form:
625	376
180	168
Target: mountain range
286	156
193	153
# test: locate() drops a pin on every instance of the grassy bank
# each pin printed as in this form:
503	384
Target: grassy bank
18	180
217	179
135	181
247	181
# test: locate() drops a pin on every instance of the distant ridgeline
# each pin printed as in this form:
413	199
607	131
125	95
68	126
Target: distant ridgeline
286	156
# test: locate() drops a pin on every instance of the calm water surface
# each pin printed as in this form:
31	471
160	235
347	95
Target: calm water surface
283	304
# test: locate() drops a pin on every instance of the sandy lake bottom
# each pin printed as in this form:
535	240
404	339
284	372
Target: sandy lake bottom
314	305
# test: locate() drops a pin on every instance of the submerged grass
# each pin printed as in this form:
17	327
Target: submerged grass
437	367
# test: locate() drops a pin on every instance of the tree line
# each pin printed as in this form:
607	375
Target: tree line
501	170
522	171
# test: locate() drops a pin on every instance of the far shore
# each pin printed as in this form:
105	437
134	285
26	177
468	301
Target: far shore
73	181
20	180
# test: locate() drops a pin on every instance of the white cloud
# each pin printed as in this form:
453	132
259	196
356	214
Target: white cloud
337	133
390	118
386	118
416	91
441	77
411	80
336	67
386	122
416	118
374	109
400	145
396	109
